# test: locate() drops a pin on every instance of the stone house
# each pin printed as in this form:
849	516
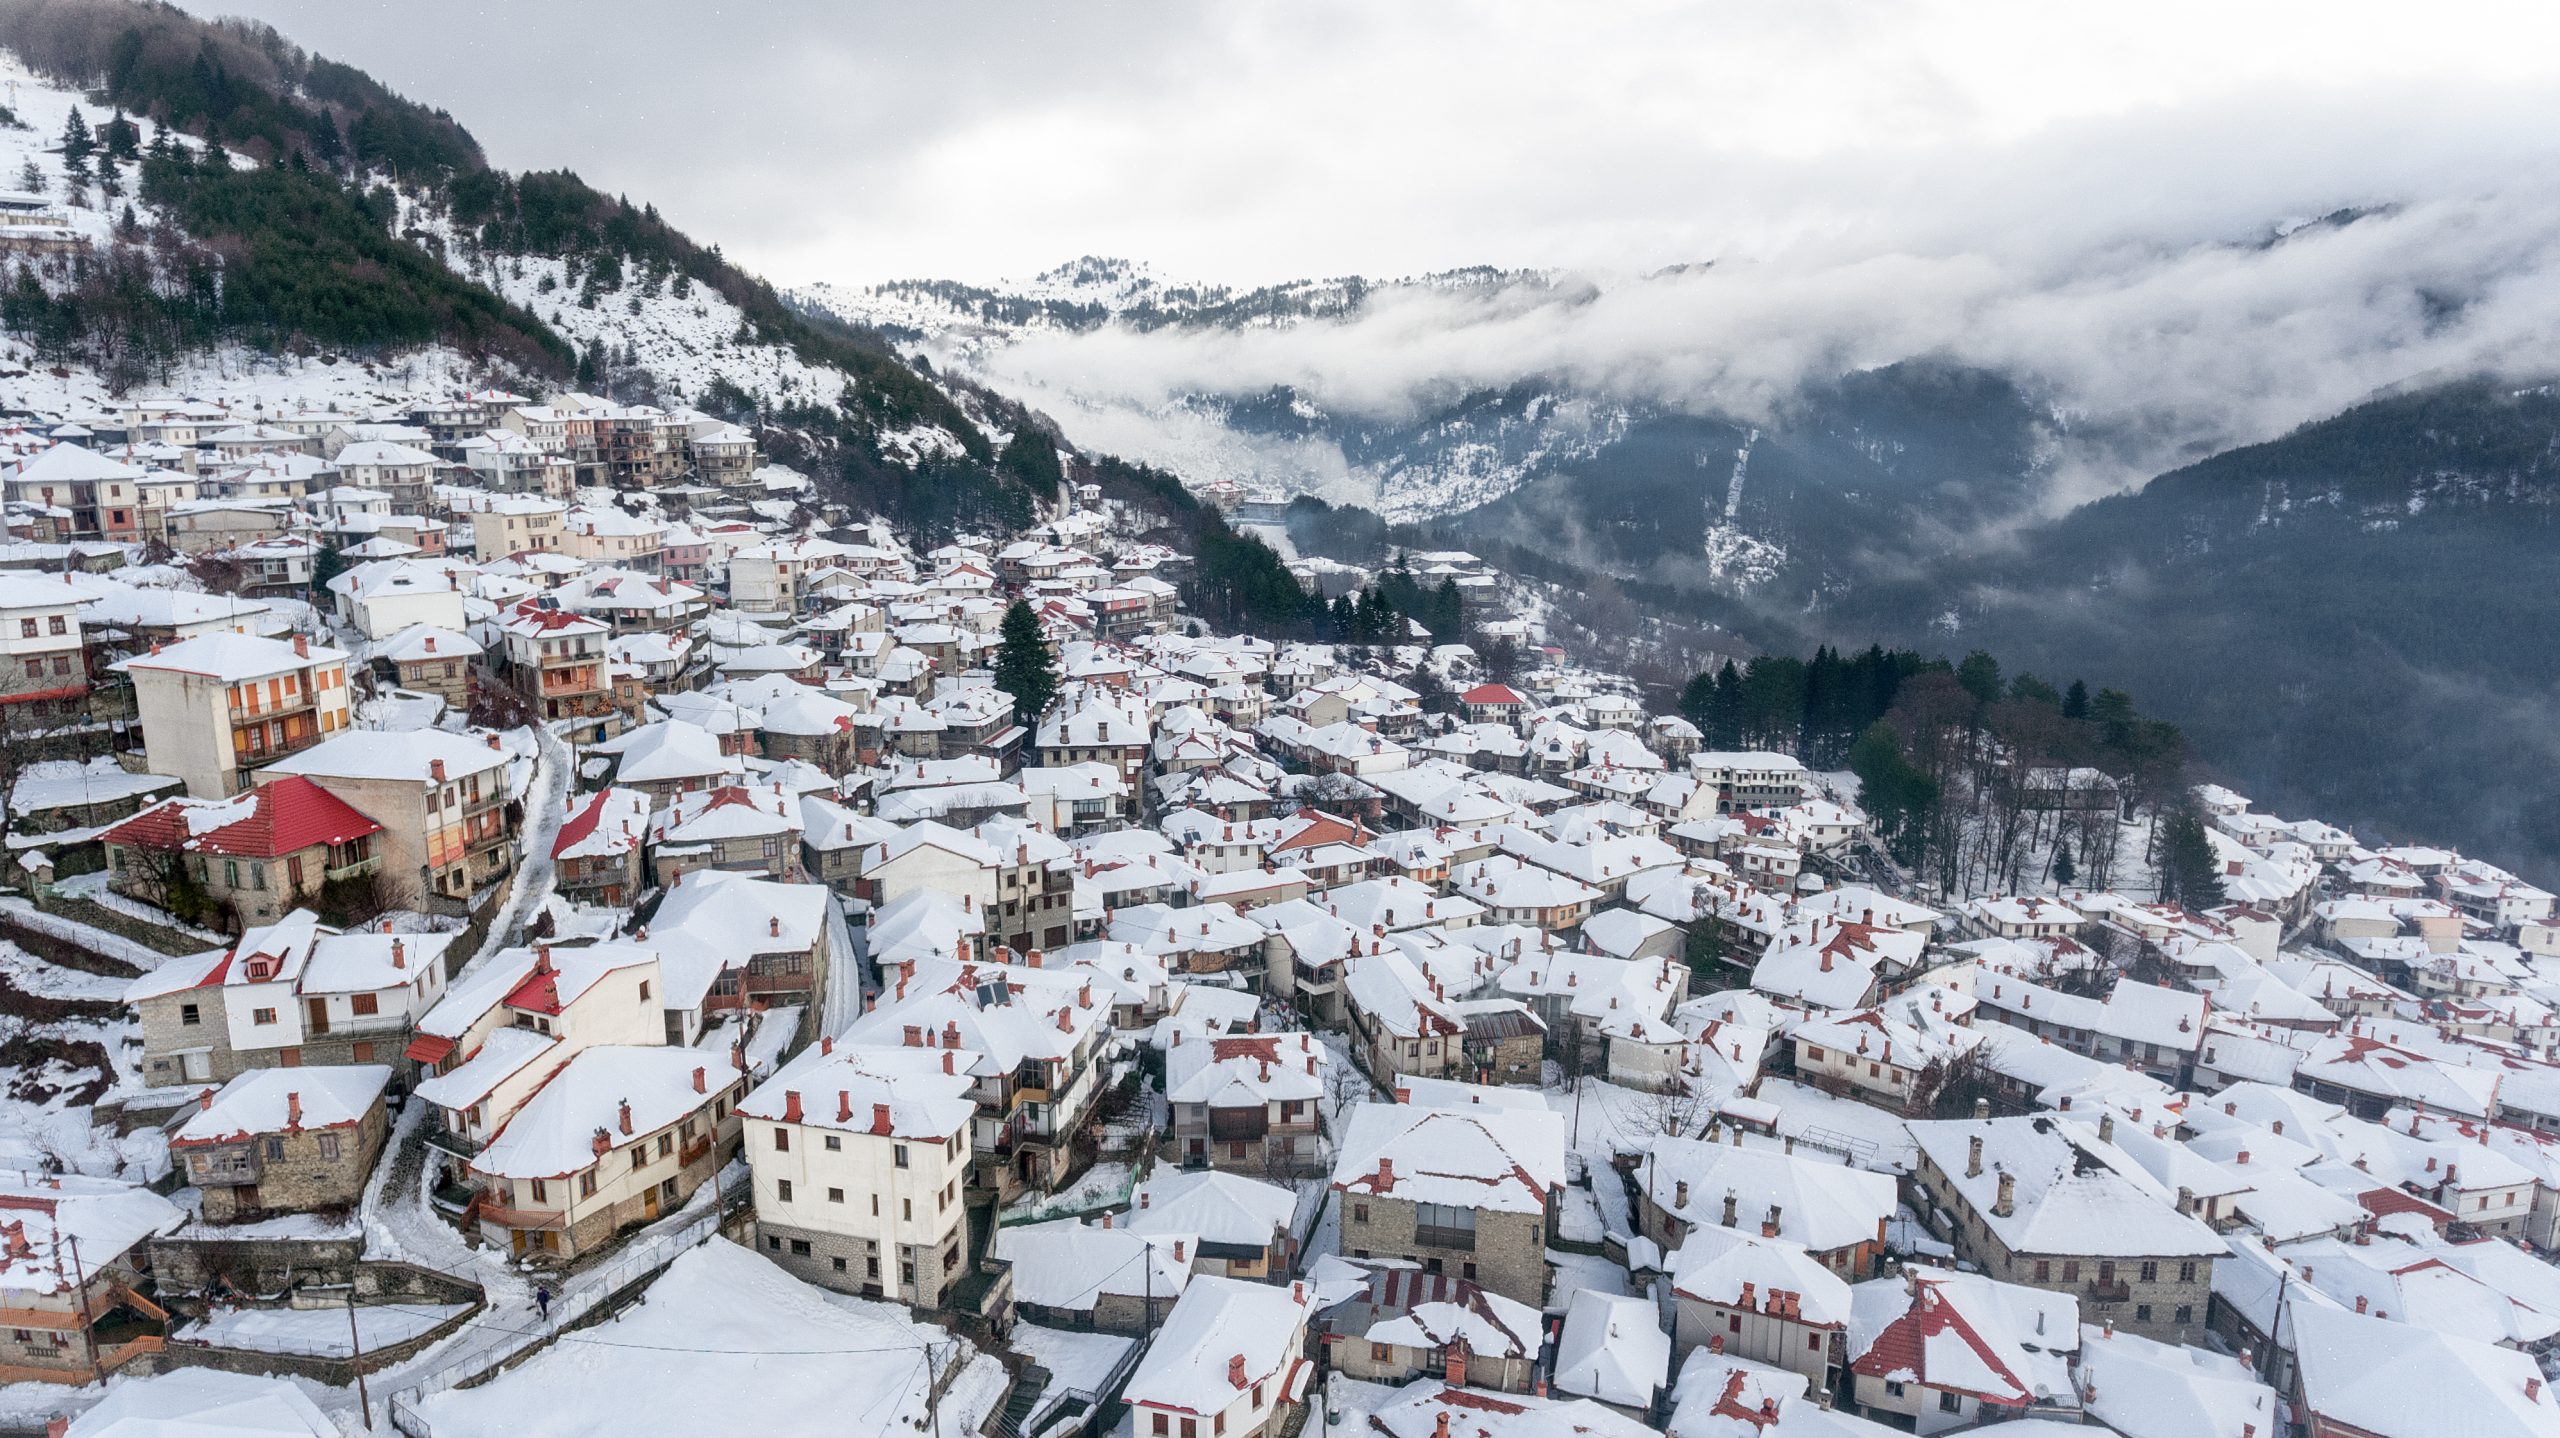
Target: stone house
285	1140
1468	1192
1406	1325
2052	1203
258	856
1250	1102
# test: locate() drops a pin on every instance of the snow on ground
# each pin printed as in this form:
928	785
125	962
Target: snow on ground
87	936
93	887
1873	1138
1107	1183
844	973
545	807
316	1331
1076	1361
1578	1271
725	1342
43	979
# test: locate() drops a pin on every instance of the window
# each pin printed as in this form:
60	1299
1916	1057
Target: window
2071	1270
1359	1213
190	1015
1190	1428
899	1152
26	629
1377	1354
1950	1402
2186	1314
782	1190
2044	1270
1160	1424
835	1195
328	1145
773	1243
1444	1225
2187	1271
2150	1271
782	1140
800	1247
839	1263
666	1144
2142	1313
262	1016
587	1184
644	991
1218	1424
907	1209
639	1156
275	1150
55	625
1812	1054
1893	1388
834	1144
541	1193
365	1005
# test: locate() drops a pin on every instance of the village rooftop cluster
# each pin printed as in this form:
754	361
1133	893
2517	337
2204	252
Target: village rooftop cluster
509	892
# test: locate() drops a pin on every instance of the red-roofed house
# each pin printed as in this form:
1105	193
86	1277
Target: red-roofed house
556	660
257	855
598	854
1939	1349
1493	704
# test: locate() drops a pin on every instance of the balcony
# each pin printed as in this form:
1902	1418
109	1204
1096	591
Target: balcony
296	703
353	868
2116	1291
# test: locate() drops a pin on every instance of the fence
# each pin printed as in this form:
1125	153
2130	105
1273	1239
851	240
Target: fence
592	1291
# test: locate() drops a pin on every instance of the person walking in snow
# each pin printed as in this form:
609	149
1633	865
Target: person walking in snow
542	1300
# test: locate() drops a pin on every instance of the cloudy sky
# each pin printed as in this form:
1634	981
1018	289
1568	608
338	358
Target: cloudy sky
1249	142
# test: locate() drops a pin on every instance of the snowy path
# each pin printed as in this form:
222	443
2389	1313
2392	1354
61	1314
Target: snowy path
844	973
546	808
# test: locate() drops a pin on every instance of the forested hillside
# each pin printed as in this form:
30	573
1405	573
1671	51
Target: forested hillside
2361	619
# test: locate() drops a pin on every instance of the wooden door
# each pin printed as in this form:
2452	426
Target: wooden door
319	1021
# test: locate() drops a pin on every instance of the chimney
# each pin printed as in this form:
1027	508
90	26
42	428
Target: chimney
773	926
293	1108
1178	1246
1973	1157
435	770
880	1119
946	1061
1456	1363
2533	1390
1146	1199
1386	1174
2008	1201
698	1085
1235	1373
1680	1194
1769	1225
1732	1208
791	1105
1440	1428
603	1143
301	647
626	1116
1981	1110
2106	1128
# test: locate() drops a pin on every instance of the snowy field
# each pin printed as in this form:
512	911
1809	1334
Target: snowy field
725	1342
322	1331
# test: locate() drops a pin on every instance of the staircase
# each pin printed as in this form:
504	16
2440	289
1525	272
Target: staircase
1030	1381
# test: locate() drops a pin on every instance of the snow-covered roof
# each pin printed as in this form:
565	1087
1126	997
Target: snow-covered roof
279	1100
1492	1160
554	1134
1192	1366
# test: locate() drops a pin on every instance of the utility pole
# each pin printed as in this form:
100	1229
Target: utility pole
88	1319
355	1345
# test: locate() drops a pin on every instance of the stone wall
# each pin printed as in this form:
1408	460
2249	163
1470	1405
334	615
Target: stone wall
1509	1257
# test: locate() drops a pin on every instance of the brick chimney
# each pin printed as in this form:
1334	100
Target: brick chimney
301	647
603	1143
435	770
626	1116
2007	1203
1769	1225
1440	1429
1680	1194
1235	1371
1732	1208
791	1105
1386	1175
1457	1363
698	1084
946	1061
399	955
880	1119
293	1108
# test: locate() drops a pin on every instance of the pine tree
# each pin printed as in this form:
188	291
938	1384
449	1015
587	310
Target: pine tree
1024	667
77	145
2075	701
2189	873
2064	870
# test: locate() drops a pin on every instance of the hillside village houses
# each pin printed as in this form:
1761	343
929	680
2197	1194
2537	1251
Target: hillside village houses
613	839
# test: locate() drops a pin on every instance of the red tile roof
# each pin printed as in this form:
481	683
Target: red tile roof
290	815
1492	694
580	824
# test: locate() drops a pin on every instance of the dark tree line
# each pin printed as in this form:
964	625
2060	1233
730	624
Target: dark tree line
1977	781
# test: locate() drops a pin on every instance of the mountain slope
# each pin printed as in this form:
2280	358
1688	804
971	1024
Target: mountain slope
2360	619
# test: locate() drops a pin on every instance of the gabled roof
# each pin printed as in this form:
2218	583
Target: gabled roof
267	822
